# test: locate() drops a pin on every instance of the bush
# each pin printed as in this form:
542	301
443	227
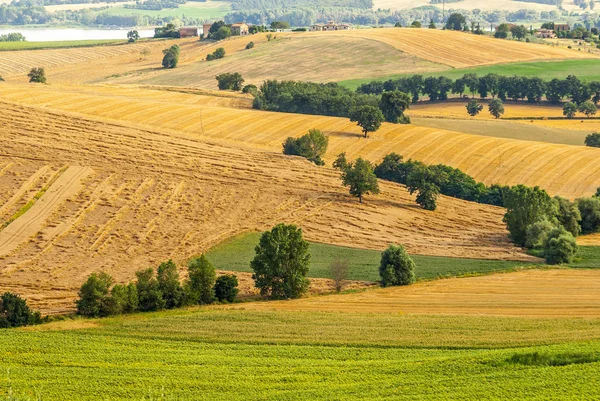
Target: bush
226	288
149	295
94	299
217	54
312	146
251	89
250	45
537	233
281	263
123	299
560	247
590	214
593	140
37	75
169	286
133	36
230	81
396	267
223	33
171	57
14	312
201	281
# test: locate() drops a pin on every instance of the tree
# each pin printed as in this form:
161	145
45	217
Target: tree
280	25
588	108
123	299
14	312
537	233
525	206
171	57
201	281
133	36
568	215
281	263
223	33
569	110
597	193
590	214
496	108
226	288
94	300
169	285
535	90
432	25
518	31
360	178
214	28
593	140
456	22
251	89
471	81
502	31
560	247
230	81
416	24
149	294
338	269
393	104
425	181
37	75
369	118
217	54
474	107
312	146
396	267
250	45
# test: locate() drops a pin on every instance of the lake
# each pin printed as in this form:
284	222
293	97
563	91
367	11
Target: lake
51	35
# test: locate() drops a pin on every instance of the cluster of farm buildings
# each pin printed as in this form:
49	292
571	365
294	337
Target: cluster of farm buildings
243	29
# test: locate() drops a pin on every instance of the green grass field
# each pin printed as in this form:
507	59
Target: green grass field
587	258
234	354
587	70
208	13
62	44
236	254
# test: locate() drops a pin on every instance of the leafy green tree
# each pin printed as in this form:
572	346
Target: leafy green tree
133	36
474	107
201	281
416	24
568	215
230	81
37	75
214	28
556	90
519	31
537	233
171	57
432	25
123	299
456	22
169	285
458	87
471	81
496	108
14	312
425	181
526	206
502	31
488	84
149	294
588	108
359	178
535	89
224	32
94	299
560	247
280	25
393	104
396	267
369	118
590	214
593	140
226	288
569	110
281	263
312	146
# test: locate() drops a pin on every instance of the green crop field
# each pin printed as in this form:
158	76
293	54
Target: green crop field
236	254
62	44
233	354
588	257
587	70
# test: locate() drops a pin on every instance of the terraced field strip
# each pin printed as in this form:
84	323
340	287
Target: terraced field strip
27	185
571	171
25	226
533	293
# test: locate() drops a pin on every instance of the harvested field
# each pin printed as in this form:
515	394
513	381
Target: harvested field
589	240
151	196
577	124
530	293
569	171
457	109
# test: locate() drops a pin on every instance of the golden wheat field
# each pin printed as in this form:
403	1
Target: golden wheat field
121	198
566	170
457	109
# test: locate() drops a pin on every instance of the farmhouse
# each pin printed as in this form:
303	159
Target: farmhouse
545	33
330	26
188	32
239	29
562	28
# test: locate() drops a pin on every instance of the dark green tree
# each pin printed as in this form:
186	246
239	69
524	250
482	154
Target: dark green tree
425	181
502	31
456	22
471	81
590	214
37	75
593	140
568	215
223	33
281	263
123	299
14	312
396	267
588	108
230	81
393	105
312	146
169	285
416	24
133	36
560	247
519	31
368	118
280	25
149	295
94	299
432	25
201	281
171	57
474	107
226	288
570	110
496	108
360	178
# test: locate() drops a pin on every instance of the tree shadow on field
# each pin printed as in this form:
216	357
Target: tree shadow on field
344	134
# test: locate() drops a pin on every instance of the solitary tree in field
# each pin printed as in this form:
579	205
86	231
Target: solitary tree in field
569	110
496	108
474	107
171	57
311	146
588	108
281	263
37	75
369	118
230	81
593	140
133	36
396	267
358	176
339	273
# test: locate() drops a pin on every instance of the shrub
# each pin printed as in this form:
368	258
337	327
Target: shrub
590	214
312	146
230	81
281	263
217	54
339	273
560	247
226	288
251	89
223	33
94	300
250	45
14	312
133	36
169	286
201	281
537	233
396	267
171	57
149	295
37	75
593	140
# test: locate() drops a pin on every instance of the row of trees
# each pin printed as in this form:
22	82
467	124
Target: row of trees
533	89
99	296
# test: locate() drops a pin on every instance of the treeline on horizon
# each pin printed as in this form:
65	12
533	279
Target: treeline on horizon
533	89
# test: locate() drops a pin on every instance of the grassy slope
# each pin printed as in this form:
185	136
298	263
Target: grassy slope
62	44
584	69
247	355
235	255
